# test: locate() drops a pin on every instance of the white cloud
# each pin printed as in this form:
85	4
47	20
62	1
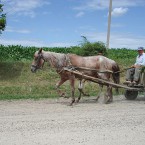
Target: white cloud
118	40
10	29
80	14
119	11
104	4
36	43
21	42
126	41
61	44
91	5
119	7
128	3
22	7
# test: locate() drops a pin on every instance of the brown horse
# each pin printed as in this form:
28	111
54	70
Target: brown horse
60	60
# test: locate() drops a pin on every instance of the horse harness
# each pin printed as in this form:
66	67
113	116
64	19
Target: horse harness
40	56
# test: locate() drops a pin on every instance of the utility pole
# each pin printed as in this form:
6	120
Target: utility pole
109	24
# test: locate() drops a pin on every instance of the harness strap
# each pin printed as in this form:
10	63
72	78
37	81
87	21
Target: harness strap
40	56
68	63
68	60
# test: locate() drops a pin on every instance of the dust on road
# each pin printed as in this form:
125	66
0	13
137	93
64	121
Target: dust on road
52	122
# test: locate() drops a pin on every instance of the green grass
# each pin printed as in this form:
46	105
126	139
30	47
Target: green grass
18	82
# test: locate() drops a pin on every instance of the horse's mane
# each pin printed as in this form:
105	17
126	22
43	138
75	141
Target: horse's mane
57	60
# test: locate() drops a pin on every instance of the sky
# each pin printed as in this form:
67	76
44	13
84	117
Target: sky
61	23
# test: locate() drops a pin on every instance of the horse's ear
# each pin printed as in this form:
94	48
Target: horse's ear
40	51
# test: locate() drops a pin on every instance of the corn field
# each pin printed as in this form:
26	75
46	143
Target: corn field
18	52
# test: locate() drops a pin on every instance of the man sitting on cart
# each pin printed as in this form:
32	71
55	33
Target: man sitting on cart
133	73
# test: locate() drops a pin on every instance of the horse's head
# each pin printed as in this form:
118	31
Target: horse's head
38	61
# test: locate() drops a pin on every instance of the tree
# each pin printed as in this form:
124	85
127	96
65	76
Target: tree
2	19
95	48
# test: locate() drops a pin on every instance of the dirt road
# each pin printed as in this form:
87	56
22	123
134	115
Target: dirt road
52	122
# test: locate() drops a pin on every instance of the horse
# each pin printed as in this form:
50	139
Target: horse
61	60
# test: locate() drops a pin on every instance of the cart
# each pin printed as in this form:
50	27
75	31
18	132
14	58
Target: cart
131	90
132	94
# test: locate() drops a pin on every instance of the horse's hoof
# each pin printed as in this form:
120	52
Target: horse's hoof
63	95
97	98
77	101
110	100
66	97
106	101
71	103
87	95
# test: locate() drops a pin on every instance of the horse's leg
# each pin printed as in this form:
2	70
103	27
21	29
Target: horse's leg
72	83
108	96
58	84
100	91
80	88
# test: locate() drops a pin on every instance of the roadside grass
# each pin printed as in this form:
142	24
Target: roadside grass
18	82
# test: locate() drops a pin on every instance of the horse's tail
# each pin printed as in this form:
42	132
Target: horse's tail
116	75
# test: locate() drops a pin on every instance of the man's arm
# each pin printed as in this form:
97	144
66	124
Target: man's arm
140	64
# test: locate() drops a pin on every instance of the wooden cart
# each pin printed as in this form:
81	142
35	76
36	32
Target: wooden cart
131	90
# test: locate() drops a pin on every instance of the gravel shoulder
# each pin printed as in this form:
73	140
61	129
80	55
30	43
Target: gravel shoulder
53	122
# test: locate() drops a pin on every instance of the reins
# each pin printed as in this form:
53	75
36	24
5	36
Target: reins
123	70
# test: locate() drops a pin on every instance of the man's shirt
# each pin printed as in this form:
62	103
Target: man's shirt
140	60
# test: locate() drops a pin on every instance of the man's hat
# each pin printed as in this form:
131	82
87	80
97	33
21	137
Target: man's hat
140	48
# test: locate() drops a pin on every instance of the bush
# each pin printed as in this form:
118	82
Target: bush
95	48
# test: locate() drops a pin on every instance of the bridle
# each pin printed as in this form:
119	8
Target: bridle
37	66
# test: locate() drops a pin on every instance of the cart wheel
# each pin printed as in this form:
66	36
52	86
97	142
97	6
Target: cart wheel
130	95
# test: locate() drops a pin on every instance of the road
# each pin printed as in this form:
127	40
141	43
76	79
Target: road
53	122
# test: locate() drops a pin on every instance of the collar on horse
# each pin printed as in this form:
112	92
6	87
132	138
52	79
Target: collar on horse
68	64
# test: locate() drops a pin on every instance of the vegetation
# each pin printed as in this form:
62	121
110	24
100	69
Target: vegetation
89	49
18	52
2	19
18	82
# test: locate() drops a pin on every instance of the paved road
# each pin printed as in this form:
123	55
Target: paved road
52	122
